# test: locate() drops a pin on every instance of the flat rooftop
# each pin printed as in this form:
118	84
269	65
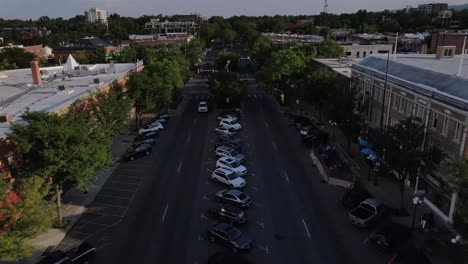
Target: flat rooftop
425	71
18	93
342	67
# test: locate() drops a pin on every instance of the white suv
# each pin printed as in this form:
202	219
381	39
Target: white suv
231	164
230	124
228	118
151	127
202	107
228	177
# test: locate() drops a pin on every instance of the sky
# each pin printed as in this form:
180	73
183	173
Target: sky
25	9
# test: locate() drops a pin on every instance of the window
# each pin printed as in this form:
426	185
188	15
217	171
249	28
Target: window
371	52
445	126
401	106
458	132
364	54
448	52
434	121
396	98
348	53
409	107
358	55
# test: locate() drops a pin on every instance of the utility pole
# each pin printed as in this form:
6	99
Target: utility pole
325	6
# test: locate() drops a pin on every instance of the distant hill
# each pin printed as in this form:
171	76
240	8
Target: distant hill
459	7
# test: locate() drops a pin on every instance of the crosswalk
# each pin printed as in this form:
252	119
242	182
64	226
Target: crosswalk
249	96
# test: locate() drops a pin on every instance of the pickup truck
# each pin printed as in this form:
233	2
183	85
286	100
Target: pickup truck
80	254
367	212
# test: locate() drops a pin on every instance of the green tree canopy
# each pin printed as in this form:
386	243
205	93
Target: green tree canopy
225	85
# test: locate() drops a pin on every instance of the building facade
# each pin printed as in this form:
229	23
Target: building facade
172	26
454	38
94	15
426	87
361	51
433	8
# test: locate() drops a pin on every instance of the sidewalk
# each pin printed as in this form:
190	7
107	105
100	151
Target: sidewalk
437	240
74	205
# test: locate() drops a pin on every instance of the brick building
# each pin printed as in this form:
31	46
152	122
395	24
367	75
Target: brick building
84	46
449	39
427	87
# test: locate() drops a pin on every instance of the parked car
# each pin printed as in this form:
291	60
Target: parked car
149	138
162	121
369	211
202	107
230	124
391	236
137	151
229	214
227	118
228	177
228	143
230	236
230	137
352	198
316	139
80	254
151	127
303	121
163	115
221	130
234	197
224	151
308	130
231	164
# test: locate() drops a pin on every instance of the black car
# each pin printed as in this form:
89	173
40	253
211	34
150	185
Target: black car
352	198
81	254
391	236
229	143
303	121
147	137
227	137
316	139
228	214
229	236
138	151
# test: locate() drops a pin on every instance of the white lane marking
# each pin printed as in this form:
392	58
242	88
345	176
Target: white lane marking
202	216
257	205
164	215
205	198
264	248
307	229
286	176
195	121
188	139
260	224
274	145
266	124
367	238
180	166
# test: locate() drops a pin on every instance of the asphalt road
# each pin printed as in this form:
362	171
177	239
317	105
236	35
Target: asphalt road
153	210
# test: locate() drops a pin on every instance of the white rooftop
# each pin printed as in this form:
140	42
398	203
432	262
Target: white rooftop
18	94
341	66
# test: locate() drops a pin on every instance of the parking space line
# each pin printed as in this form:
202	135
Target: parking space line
104	214
307	229
188	139
116	189
286	176
180	166
164	215
124	207
266	124
94	223
257	205
367	238
121	182
131	170
274	145
113	196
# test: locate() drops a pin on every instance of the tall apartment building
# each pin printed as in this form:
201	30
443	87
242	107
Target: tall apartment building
433	8
96	15
184	26
430	88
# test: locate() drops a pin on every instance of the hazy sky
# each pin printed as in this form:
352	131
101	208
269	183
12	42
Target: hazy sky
69	8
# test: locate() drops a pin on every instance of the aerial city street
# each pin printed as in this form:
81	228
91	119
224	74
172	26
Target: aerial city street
325	134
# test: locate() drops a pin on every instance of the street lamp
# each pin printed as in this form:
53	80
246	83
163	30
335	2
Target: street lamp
376	172
416	202
456	240
333	123
369	158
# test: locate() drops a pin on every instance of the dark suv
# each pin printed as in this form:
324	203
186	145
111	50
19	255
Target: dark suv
148	137
81	254
229	214
230	236
137	151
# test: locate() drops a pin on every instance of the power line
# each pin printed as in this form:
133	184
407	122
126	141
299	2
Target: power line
325	6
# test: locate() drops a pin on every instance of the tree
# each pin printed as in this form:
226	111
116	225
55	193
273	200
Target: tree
229	35
329	49
261	49
457	175
33	215
194	51
108	109
224	86
227	61
59	149
15	56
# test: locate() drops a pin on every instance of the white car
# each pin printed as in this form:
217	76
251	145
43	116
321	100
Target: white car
228	118
228	177
231	164
230	124
151	127
202	107
221	130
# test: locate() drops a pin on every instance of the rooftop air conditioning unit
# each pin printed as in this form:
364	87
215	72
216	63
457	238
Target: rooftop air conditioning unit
63	87
6	118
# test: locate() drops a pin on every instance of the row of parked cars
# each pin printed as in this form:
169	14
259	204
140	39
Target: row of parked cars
147	136
365	211
230	171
